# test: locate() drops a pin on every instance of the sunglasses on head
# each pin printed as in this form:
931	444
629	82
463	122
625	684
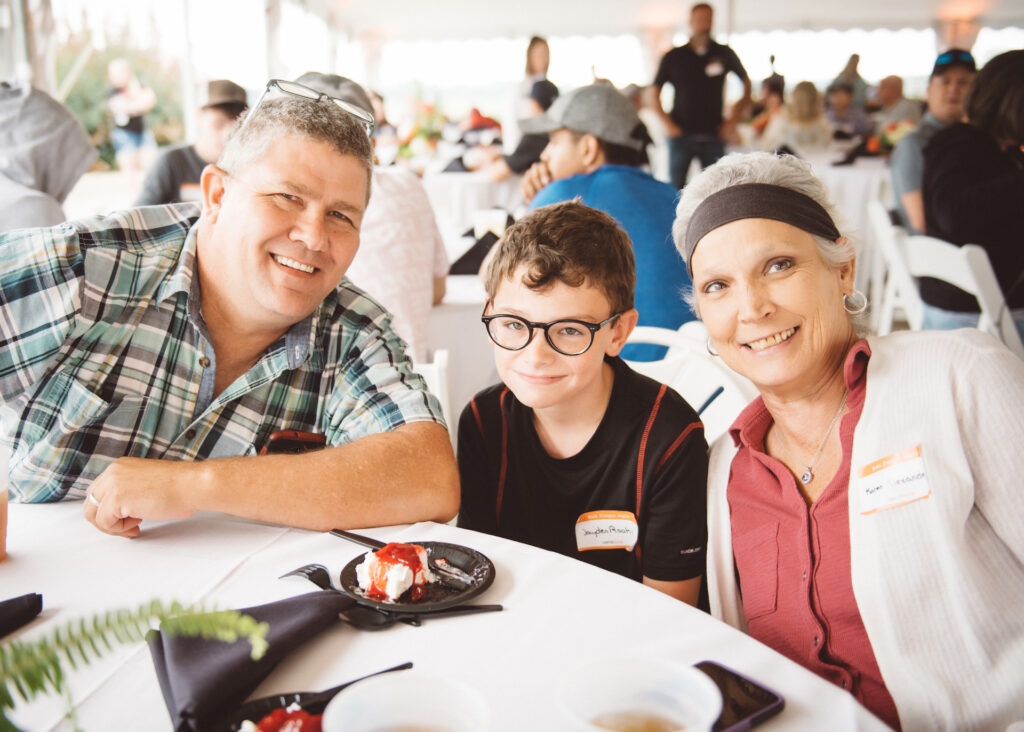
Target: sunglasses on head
954	56
277	87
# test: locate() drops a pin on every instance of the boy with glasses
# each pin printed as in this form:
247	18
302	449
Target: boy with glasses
150	354
575	452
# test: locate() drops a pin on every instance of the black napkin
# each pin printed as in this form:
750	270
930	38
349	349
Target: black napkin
203	680
18	611
470	261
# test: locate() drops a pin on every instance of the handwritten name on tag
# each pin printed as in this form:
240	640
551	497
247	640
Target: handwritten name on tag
606	530
895	480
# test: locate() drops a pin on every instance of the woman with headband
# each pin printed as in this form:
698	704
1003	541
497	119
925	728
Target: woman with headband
864	513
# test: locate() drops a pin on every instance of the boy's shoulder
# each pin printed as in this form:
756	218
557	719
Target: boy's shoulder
647	394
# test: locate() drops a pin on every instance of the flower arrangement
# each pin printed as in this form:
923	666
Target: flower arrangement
37	667
889	137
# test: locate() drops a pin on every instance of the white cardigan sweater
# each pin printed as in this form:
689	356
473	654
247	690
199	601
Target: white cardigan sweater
939	582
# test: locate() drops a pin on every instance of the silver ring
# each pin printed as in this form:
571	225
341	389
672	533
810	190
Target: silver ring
92	499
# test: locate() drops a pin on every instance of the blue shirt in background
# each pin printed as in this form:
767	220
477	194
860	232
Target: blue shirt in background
645	208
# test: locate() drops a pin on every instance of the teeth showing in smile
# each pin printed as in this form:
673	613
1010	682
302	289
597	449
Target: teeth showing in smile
293	264
771	340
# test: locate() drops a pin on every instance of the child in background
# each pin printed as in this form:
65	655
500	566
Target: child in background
575	452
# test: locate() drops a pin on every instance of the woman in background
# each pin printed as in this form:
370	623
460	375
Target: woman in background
801	126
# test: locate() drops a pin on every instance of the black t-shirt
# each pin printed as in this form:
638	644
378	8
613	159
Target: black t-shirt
974	194
699	83
173	178
527	152
134	124
542	497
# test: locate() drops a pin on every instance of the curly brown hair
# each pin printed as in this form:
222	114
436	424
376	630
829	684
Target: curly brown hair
571	243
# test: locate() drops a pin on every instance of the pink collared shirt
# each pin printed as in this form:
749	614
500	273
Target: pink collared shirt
793	561
400	254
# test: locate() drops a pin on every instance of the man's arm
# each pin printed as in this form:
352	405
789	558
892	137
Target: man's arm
534	179
402	476
671	128
913	204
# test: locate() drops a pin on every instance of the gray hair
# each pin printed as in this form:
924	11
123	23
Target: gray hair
296	117
786	171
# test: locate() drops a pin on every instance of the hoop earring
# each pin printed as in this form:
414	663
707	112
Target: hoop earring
855	303
711	347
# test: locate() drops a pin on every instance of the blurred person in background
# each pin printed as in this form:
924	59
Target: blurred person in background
801	127
951	77
44	150
499	166
850	75
175	176
892	105
974	191
538	58
773	95
402	261
697	72
594	154
128	102
847	119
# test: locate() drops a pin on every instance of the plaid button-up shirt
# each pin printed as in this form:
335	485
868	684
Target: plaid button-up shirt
104	354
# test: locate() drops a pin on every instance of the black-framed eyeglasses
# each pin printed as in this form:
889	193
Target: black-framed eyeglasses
955	55
568	337
281	86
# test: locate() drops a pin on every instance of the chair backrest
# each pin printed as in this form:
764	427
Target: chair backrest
967	267
900	290
435	374
697	375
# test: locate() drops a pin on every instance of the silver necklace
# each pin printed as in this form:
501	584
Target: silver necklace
808	475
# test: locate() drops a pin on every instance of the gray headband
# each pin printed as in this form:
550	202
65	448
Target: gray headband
757	201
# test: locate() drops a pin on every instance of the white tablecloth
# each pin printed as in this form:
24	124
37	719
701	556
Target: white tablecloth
455	326
558	613
457	197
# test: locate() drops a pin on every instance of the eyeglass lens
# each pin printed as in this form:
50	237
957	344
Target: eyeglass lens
569	337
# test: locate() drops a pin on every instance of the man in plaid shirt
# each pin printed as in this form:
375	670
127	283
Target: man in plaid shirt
147	355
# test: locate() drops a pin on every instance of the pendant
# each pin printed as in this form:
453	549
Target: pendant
807	477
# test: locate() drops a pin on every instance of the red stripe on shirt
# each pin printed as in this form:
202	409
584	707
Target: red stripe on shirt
504	455
678	441
640	461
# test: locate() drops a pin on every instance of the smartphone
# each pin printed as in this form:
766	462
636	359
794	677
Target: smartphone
292	442
745	703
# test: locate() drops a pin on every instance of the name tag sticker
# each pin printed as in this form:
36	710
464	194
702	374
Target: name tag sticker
715	68
893	481
606	530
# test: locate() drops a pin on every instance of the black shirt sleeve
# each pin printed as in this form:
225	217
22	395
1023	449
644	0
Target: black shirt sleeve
476	473
159	184
734	64
674	507
527	152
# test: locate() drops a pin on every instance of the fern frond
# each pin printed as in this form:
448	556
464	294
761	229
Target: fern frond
36	667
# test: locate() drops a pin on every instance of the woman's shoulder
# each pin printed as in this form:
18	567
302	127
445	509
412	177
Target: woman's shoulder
929	354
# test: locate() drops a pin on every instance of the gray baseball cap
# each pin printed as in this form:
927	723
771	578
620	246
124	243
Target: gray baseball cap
598	109
339	87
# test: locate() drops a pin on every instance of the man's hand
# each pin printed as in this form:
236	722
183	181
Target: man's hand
535	178
671	128
133	489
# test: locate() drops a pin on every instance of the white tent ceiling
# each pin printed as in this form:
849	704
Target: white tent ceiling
388	20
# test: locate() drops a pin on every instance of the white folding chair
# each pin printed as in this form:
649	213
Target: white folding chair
899	291
435	374
968	268
714	390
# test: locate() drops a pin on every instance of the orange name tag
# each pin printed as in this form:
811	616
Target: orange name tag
895	480
606	530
